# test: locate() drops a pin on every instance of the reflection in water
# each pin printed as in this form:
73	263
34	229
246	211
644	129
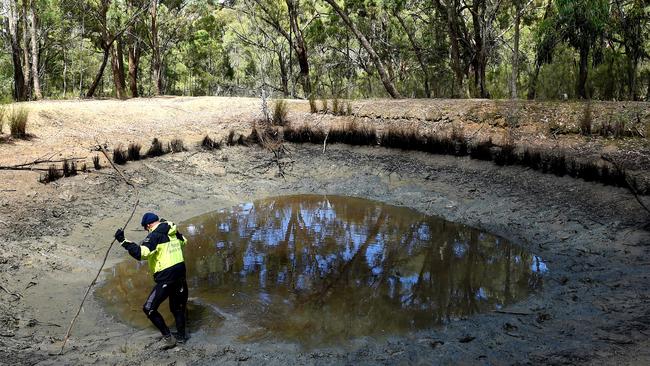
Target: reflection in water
323	269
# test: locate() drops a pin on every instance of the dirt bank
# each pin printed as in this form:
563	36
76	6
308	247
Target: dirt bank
593	308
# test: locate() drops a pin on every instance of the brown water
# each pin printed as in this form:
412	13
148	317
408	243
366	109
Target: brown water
326	269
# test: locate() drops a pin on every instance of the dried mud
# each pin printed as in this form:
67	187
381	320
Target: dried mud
593	308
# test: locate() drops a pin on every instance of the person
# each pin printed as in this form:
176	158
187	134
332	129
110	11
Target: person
163	249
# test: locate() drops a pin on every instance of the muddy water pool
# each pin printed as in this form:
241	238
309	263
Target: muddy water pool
317	270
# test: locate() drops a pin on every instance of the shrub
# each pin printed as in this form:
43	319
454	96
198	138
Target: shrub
52	174
176	145
18	122
133	151
209	144
119	155
348	109
156	148
73	168
280	112
96	163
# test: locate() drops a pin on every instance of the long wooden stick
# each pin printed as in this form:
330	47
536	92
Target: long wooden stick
137	201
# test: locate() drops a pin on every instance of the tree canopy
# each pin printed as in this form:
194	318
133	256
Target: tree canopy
535	49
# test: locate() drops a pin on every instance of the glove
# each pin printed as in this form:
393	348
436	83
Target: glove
119	235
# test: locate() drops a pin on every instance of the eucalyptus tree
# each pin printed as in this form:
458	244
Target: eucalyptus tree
581	23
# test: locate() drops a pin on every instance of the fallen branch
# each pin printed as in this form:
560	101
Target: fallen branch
325	141
137	201
511	312
17	296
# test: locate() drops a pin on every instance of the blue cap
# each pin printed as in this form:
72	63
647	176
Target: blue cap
148	218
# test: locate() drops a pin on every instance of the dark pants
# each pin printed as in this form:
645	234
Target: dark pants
177	293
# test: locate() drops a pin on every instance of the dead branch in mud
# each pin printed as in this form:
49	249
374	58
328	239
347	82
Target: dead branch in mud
137	201
16	295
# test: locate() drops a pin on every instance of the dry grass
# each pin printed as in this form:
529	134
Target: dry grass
18	122
133	152
176	145
353	133
96	162
156	148
120	155
280	112
210	144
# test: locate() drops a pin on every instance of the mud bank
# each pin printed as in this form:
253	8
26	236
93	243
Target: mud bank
593	308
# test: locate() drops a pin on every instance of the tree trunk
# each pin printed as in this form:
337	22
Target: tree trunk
581	88
418	53
117	66
34	48
284	78
515	53
156	64
100	74
300	47
532	85
383	75
25	49
11	23
134	64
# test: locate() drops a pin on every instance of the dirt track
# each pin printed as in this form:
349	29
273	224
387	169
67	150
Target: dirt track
594	307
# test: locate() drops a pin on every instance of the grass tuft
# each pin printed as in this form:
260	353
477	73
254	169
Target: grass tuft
53	173
18	122
96	162
156	148
353	133
210	144
119	155
176	146
304	134
133	152
324	107
405	138
312	104
280	112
